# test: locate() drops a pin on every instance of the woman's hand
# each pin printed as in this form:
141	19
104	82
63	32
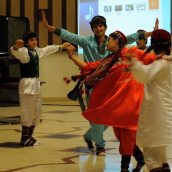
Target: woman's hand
72	56
71	51
129	56
67	45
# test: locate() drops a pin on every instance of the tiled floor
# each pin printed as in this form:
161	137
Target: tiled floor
62	147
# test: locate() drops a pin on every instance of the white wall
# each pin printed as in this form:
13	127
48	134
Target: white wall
53	69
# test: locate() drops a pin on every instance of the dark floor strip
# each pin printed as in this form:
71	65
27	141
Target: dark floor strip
47	104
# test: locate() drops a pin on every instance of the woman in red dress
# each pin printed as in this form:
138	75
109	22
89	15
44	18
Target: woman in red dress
116	96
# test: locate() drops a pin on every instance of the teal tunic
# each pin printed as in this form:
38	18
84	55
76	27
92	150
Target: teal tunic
92	50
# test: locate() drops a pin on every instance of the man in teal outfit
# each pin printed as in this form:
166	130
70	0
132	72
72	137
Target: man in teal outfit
94	48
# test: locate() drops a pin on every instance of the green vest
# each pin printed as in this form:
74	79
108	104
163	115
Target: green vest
30	69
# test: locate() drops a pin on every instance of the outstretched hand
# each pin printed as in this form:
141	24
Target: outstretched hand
43	19
156	24
45	23
66	45
19	44
71	54
129	56
148	34
70	49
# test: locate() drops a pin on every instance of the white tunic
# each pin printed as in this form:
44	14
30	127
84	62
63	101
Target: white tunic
155	121
29	88
32	85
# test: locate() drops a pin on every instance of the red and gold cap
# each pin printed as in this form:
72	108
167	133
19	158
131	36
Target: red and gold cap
160	37
120	36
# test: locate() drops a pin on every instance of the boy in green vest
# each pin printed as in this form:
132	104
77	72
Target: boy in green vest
27	52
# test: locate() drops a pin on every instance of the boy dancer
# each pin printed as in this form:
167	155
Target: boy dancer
154	131
27	52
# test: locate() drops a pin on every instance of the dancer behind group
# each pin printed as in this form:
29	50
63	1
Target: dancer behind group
155	124
94	48
116	96
27	52
142	40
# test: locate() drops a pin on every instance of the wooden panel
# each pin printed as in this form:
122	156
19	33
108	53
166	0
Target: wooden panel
29	12
15	8
3	7
43	4
22	8
8	7
64	18
43	34
36	17
50	19
57	19
71	15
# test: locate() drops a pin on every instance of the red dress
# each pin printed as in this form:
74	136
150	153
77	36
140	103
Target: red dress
115	100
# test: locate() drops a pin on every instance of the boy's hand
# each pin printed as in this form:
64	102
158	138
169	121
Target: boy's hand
19	44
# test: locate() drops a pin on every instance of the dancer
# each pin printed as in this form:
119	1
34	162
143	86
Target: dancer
27	52
154	131
94	48
142	40
116	97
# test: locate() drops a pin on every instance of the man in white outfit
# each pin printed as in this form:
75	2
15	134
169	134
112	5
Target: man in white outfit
155	121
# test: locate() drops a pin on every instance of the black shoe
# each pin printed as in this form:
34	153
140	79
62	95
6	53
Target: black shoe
166	167
100	151
89	144
125	162
157	170
138	155
138	167
29	142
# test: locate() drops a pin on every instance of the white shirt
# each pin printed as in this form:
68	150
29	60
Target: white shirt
32	85
155	120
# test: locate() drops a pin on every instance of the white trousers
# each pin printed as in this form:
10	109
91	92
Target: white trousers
155	156
31	109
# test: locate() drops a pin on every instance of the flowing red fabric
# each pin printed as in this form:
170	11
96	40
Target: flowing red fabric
116	99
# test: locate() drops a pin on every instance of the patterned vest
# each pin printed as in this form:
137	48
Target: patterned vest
30	69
